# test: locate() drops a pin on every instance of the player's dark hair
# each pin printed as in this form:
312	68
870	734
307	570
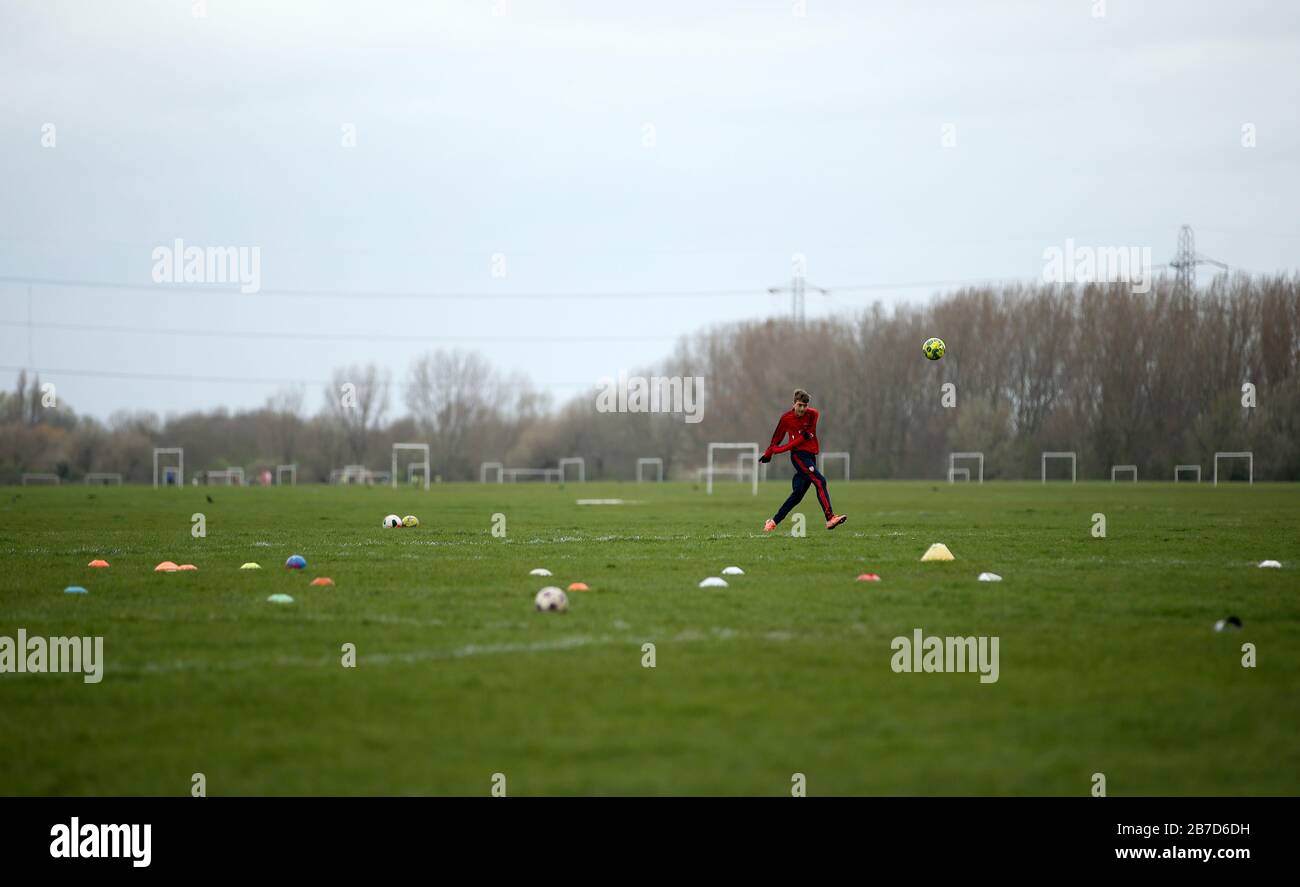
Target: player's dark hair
802	396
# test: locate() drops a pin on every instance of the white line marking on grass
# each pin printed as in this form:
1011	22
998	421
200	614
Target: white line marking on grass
412	657
358	621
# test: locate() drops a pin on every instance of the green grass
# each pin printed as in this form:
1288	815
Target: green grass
1108	658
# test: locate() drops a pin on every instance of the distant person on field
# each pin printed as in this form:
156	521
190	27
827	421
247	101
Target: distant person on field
801	424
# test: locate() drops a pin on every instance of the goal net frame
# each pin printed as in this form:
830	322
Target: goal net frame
1117	468
228	475
292	471
1178	469
744	447
1250	464
483	470
839	454
573	460
104	478
1072	455
743	467
656	461
548	475
414	447
952	465
179	453
353	474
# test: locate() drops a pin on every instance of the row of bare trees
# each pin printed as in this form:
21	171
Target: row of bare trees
1164	378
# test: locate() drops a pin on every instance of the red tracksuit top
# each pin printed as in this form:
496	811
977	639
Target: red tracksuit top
803	432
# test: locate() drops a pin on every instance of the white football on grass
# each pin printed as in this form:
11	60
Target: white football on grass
551	600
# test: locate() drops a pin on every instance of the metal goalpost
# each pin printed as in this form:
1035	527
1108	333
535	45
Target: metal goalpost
842	454
654	461
580	462
745	463
179	453
751	448
548	475
1114	469
416	447
230	475
953	470
1250	462
1179	469
1071	455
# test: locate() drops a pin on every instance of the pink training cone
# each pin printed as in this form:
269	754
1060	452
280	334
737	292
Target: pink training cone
868	577
97	563
166	567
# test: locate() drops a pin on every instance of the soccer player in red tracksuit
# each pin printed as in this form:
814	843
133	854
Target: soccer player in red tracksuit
801	424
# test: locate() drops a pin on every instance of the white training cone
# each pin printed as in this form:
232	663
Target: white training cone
990	577
1276	565
714	582
540	571
732	571
937	552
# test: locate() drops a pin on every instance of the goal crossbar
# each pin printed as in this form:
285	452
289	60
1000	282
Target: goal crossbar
749	448
655	461
229	475
574	460
179	453
1250	462
841	454
952	465
413	447
1114	469
1063	454
546	474
743	466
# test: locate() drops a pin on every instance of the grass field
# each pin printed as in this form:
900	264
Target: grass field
1108	658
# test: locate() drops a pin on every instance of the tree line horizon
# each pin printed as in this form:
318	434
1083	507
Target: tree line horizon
1153	379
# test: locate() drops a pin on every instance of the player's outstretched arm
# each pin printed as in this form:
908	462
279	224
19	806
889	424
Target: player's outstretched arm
772	448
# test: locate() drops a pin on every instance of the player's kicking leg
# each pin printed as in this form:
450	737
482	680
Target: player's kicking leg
806	464
798	486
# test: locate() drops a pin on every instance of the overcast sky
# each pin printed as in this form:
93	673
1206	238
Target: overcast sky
611	148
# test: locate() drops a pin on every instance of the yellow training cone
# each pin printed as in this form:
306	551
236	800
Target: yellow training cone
937	552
